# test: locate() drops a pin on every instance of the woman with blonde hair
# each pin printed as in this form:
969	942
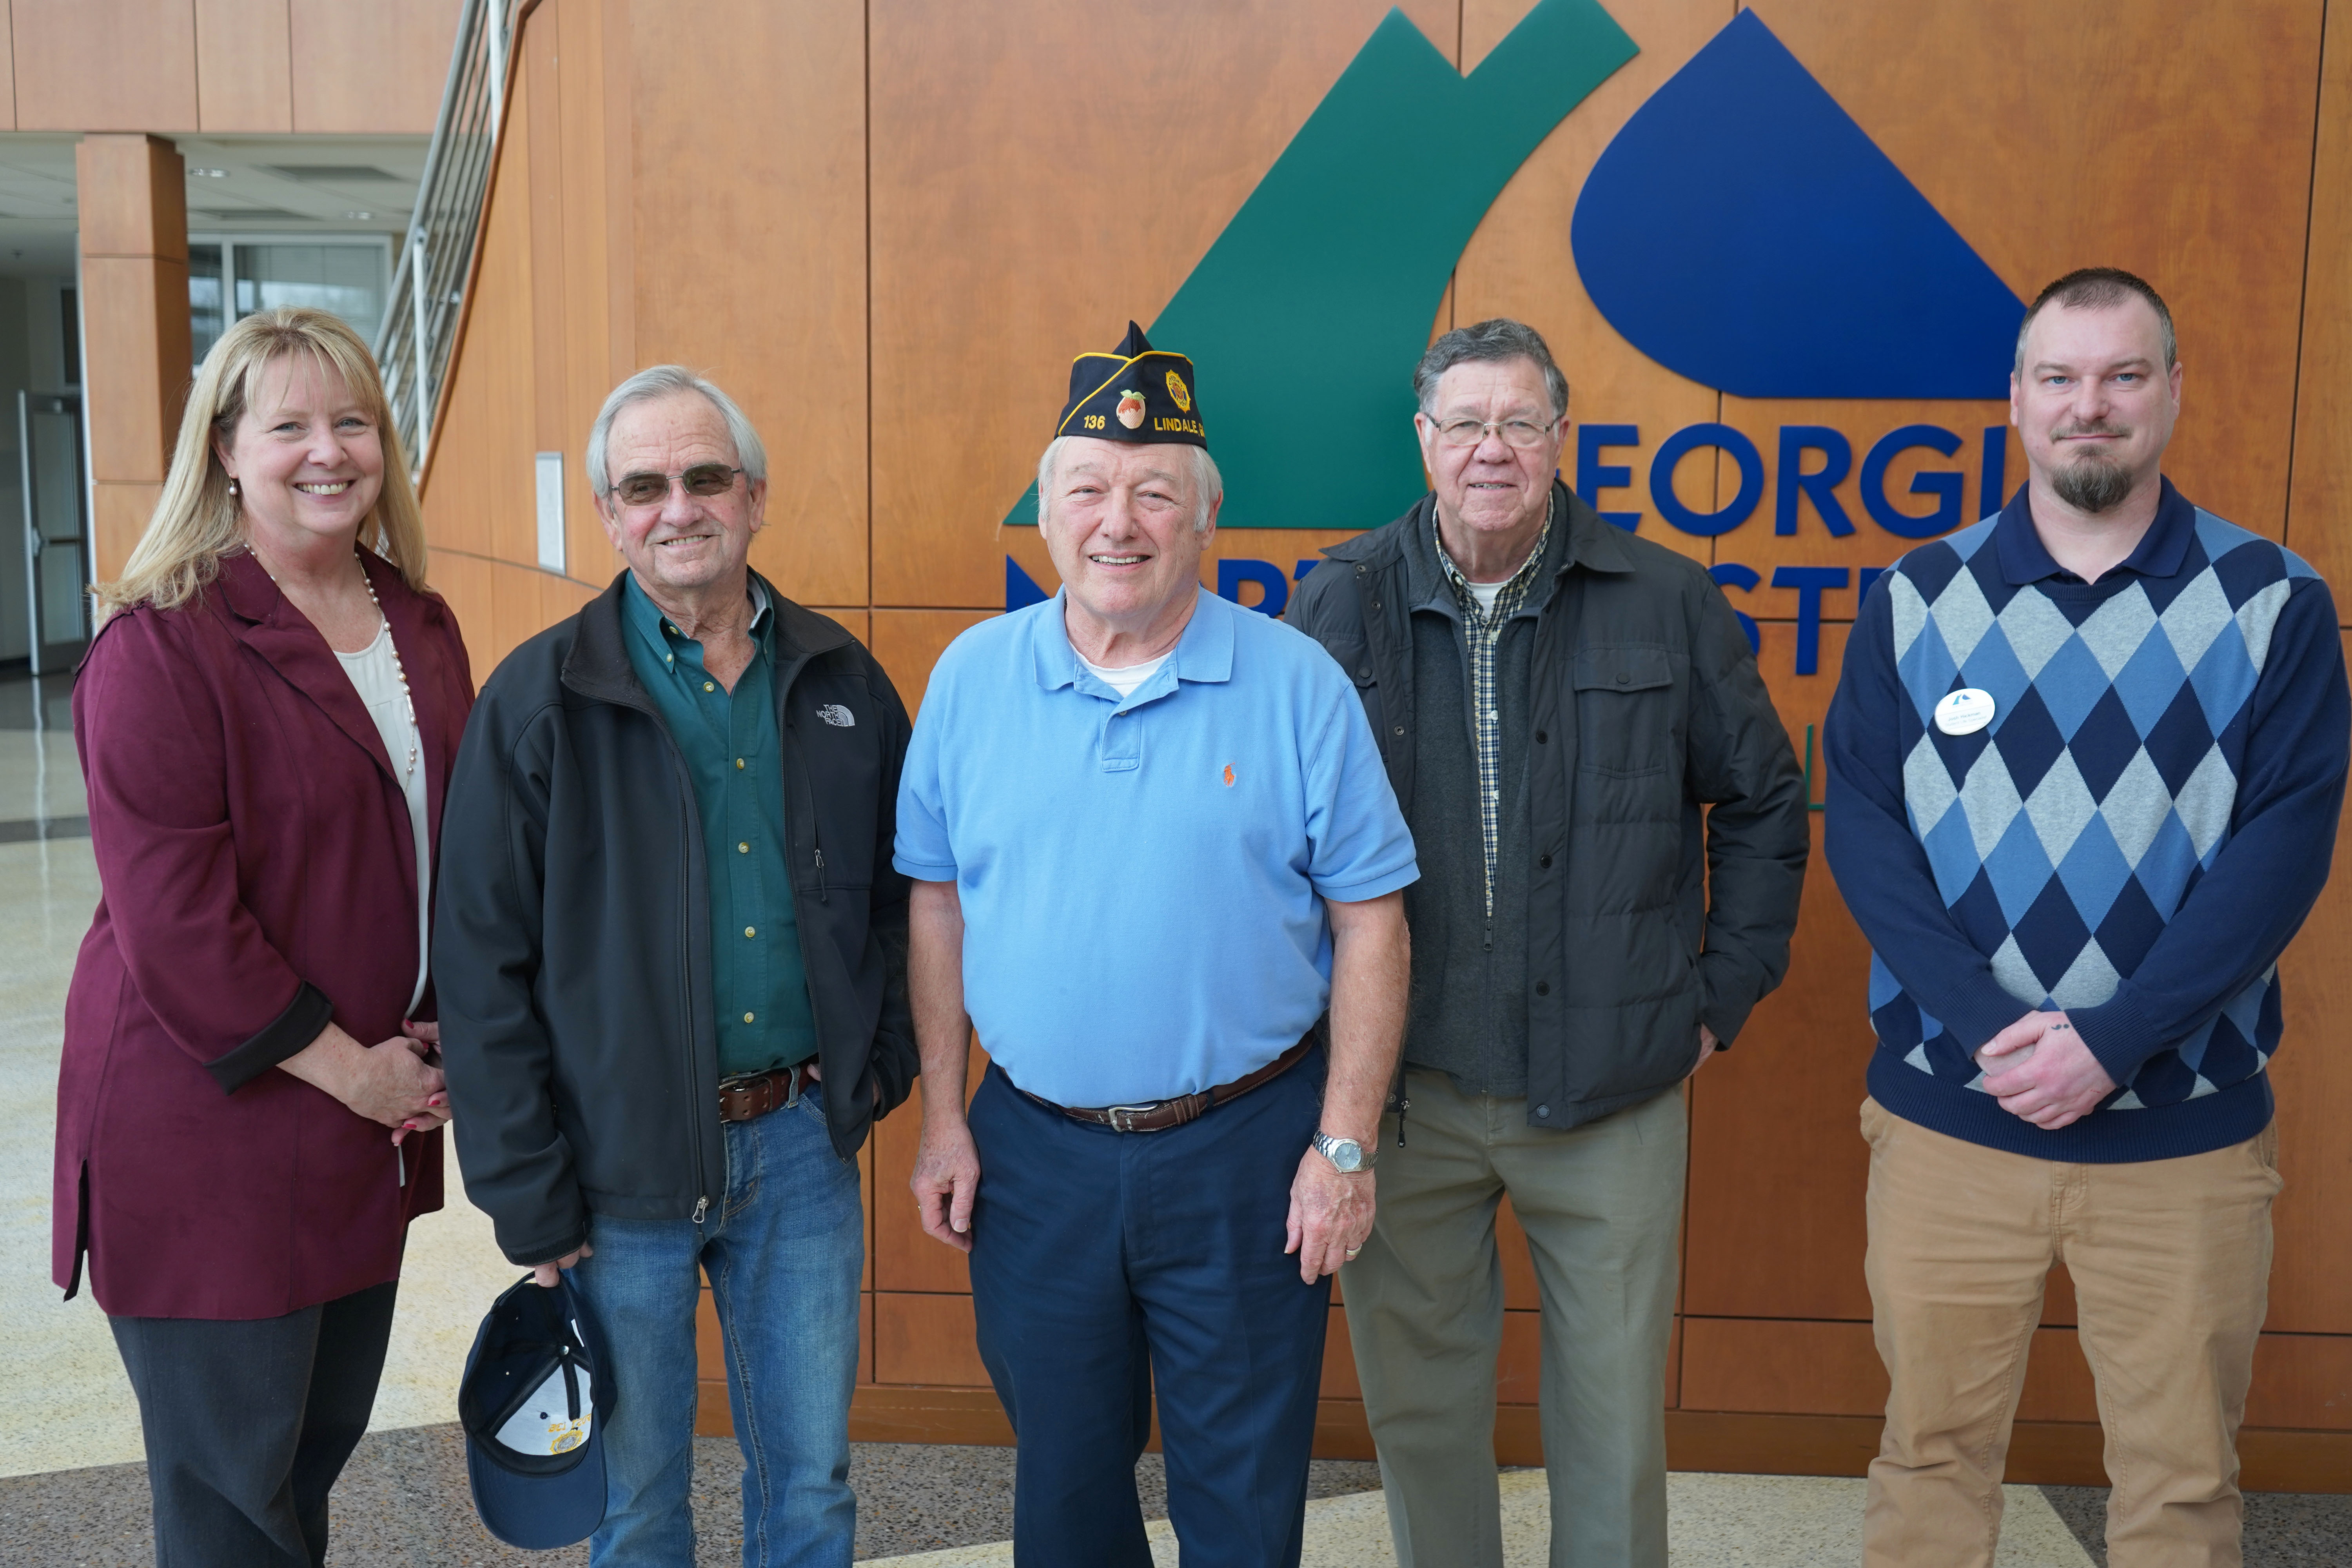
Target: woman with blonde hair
249	1100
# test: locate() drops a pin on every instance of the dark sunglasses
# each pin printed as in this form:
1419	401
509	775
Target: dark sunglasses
703	479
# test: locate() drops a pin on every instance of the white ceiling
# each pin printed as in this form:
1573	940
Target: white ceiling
266	184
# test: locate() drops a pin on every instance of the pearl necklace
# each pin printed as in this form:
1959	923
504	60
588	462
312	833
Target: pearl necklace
407	702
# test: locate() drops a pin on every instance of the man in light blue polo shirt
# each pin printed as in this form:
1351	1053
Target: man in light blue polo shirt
1158	865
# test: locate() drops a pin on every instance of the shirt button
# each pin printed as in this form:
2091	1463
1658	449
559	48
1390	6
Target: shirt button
1543	987
747	1017
738	761
710	686
1539	737
1622	678
750	931
1540	1109
742	849
1544	862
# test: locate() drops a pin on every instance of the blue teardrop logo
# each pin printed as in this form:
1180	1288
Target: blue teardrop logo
1743	231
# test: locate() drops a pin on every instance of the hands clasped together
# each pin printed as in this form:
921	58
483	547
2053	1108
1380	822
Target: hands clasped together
2039	1070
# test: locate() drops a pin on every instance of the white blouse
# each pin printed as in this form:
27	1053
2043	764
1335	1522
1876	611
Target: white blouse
377	680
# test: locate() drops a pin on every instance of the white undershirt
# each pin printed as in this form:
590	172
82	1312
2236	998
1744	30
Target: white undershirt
1126	677
1486	593
376	679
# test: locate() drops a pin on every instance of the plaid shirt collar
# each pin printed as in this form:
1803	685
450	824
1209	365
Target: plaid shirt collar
1515	589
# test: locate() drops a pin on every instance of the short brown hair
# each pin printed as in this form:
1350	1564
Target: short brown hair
2098	288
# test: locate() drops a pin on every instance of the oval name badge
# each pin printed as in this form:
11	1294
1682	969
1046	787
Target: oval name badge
1965	711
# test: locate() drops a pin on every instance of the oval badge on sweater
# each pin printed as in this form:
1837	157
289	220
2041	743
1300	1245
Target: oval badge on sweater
1965	711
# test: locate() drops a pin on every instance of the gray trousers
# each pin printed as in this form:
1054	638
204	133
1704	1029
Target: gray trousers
247	1423
1602	1206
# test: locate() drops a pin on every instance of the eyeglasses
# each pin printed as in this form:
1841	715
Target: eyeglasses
703	479
1518	433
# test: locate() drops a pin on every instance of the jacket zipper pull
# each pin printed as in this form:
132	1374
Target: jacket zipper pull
820	879
700	1207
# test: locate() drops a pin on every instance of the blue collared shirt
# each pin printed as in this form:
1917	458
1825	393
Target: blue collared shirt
1142	879
758	985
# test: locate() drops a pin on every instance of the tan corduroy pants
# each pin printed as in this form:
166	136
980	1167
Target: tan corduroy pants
2170	1260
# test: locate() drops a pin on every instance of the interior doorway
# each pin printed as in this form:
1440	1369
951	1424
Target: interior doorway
58	567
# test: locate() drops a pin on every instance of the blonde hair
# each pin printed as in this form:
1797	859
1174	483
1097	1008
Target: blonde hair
198	521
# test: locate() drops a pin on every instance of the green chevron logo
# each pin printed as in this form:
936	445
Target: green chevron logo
1305	316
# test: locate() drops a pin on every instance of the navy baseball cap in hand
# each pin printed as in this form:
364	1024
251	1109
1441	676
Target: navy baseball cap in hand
537	1394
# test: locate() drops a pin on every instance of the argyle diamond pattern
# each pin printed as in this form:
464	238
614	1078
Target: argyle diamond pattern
2064	834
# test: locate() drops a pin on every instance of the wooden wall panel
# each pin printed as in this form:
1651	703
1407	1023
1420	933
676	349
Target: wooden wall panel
926	1339
907	1258
480	488
1034	186
245	76
2302	1381
909	642
104	65
2209	205
2311	1281
372	69
1775	1221
782	187
2317	527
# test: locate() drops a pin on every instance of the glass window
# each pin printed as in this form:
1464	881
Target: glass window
204	321
347	279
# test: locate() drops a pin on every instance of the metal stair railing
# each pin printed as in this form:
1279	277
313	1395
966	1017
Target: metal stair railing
421	315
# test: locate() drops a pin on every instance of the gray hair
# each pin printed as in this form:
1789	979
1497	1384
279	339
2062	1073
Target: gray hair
664	381
1492	341
2098	288
1208	484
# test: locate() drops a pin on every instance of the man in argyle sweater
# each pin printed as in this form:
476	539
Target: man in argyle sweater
2085	763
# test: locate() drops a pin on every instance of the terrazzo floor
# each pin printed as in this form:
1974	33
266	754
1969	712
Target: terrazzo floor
73	1490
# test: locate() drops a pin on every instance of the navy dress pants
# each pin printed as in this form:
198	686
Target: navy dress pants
1108	1265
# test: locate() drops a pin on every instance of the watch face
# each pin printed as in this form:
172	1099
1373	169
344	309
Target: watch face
1345	1153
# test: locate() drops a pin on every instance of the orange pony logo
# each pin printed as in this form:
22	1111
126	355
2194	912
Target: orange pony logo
1229	775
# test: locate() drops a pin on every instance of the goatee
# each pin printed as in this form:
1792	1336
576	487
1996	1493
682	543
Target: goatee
2092	485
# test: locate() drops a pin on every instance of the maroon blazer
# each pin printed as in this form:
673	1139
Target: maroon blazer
257	880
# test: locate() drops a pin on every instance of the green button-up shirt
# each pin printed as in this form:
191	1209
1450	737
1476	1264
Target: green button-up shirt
735	759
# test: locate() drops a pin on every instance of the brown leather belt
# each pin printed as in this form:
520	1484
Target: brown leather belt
1159	1115
756	1094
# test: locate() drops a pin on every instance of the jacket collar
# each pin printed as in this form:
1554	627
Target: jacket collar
598	665
264	620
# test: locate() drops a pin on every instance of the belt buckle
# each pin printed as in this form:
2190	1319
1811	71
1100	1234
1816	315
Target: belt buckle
1121	1115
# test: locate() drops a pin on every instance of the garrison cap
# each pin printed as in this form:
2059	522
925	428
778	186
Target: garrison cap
1135	393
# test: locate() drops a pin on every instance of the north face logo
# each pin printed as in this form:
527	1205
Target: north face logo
840	718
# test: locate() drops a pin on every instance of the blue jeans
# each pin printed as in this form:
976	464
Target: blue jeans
784	1252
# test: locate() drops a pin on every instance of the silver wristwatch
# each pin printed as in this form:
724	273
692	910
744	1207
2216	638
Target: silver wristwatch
1346	1156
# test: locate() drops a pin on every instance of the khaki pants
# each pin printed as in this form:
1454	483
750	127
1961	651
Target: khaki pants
2170	1260
1602	1206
